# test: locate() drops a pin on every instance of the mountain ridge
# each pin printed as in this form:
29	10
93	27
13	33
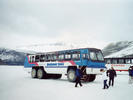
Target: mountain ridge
119	49
17	56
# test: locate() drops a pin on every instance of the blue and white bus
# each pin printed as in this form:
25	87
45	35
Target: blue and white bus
43	65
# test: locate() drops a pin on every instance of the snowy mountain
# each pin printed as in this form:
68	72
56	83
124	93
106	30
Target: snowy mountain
17	56
48	47
119	49
11	57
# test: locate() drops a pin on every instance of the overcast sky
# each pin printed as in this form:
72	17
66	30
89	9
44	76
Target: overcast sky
96	22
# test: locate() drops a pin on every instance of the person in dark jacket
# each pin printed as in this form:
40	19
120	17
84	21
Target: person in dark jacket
130	74
111	73
78	75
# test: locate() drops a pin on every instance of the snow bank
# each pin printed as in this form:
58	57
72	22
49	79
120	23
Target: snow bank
16	84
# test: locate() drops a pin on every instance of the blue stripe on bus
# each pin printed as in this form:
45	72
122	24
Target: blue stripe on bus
56	66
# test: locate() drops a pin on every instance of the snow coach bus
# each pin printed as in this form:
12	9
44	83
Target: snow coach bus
45	65
119	64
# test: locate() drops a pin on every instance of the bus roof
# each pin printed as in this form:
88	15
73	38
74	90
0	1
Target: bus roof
65	51
119	58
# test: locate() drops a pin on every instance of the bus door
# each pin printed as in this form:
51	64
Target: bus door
84	58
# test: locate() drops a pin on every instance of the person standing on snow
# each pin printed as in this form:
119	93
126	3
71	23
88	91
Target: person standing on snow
79	75
105	78
111	73
130	74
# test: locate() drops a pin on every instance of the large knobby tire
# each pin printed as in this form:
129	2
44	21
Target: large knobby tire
40	73
93	77
34	73
71	75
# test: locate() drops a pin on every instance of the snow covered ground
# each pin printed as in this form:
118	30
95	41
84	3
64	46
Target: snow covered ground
16	84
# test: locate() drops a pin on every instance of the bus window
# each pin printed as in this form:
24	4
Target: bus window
85	56
61	57
54	57
30	58
76	56
108	61
127	61
120	61
93	55
49	57
42	58
132	61
114	61
99	56
37	58
33	59
67	56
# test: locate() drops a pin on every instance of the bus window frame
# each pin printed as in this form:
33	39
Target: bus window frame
77	53
44	58
69	55
96	60
37	58
61	54
93	57
126	62
119	61
85	56
114	60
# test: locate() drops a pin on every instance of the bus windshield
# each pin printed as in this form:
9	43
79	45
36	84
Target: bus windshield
96	56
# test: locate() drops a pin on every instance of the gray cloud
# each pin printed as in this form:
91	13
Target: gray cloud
64	20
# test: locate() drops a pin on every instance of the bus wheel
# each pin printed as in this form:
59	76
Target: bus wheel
34	73
71	75
93	77
40	73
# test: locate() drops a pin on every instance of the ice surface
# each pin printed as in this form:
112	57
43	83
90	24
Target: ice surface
17	84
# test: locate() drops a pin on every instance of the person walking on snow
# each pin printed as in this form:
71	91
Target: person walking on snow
105	78
79	75
130	74
111	73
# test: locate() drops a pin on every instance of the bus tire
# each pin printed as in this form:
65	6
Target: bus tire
93	77
40	73
71	75
34	73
